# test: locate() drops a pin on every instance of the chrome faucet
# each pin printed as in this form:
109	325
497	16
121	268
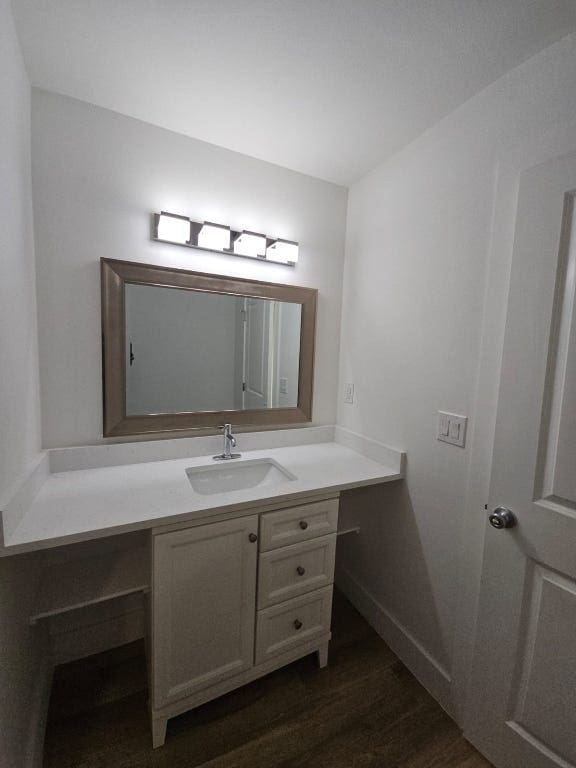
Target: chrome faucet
229	442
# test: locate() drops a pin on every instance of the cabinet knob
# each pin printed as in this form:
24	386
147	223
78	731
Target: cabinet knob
300	570
303	524
297	624
252	537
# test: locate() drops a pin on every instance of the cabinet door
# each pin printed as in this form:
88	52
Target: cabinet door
204	597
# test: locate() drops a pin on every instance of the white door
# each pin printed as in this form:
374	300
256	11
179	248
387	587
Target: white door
204	598
522	712
256	345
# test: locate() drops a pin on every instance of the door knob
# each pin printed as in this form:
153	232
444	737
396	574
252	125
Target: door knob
252	537
300	570
502	518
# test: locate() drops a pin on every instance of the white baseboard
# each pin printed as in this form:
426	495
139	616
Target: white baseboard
423	666
38	715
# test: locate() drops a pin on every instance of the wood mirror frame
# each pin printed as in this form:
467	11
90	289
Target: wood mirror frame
115	275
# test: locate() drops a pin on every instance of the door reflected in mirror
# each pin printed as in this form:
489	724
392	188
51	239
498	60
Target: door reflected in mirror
193	351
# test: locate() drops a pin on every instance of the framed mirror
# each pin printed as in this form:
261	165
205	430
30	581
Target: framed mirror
185	350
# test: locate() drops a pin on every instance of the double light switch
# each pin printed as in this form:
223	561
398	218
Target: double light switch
452	428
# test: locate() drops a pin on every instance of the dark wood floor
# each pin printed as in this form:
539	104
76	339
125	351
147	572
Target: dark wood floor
365	710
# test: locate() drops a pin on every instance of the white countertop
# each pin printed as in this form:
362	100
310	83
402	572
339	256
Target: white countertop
77	505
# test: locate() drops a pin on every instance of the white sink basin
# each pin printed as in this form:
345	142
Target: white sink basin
236	476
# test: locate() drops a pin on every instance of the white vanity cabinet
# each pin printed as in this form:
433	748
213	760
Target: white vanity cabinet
204	582
235	599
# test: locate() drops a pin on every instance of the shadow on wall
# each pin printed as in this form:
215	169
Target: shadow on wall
23	673
385	563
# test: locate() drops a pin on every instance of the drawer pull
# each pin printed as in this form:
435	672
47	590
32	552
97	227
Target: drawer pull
298	624
303	524
252	537
300	570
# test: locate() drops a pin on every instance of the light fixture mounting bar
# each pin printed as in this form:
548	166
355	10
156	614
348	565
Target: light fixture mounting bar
195	229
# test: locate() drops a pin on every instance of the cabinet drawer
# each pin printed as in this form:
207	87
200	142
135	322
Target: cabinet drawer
306	521
287	625
292	571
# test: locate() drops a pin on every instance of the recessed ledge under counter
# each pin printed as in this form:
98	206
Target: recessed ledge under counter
113	489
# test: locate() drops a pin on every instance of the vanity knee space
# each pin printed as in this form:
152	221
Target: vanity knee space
235	599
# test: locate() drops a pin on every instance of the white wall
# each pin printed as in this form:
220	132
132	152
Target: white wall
427	262
19	401
97	176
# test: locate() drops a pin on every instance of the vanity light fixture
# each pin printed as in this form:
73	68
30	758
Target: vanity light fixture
215	237
250	244
218	238
283	251
174	228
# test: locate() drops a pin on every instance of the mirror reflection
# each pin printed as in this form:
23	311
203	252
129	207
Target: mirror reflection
189	350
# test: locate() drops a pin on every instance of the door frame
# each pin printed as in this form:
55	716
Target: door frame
510	165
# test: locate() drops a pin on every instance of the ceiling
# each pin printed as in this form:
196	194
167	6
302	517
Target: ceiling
326	87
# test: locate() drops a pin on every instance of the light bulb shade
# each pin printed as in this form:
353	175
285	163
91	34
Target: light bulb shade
174	228
283	251
215	237
250	244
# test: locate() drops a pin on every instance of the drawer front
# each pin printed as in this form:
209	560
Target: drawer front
283	627
289	526
291	571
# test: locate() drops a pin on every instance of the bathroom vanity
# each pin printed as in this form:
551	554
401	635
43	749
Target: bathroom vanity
236	599
233	567
236	559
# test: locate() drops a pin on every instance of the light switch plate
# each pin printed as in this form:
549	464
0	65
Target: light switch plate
283	386
452	428
348	393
